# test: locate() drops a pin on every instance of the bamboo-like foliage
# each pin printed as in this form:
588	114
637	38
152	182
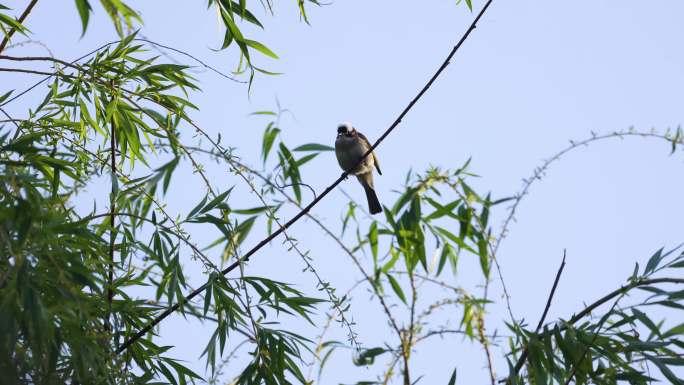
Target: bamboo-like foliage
121	115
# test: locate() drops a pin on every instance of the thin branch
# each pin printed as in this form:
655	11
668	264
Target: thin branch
319	343
485	345
442	332
25	42
33	72
406	348
21	19
203	64
540	170
551	294
523	356
112	224
306	209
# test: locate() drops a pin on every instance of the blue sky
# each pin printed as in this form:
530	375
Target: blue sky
532	76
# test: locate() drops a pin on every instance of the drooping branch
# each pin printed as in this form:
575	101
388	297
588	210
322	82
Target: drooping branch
313	203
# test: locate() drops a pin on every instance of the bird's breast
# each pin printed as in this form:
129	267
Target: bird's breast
349	151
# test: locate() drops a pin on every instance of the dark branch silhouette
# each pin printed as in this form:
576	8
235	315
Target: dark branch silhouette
523	356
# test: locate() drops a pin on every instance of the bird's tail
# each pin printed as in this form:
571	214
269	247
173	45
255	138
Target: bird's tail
373	203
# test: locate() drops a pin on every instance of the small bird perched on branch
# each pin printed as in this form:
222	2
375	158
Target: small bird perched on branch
350	146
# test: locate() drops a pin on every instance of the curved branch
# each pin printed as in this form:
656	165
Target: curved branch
539	171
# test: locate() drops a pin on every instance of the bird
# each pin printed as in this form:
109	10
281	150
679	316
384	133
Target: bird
350	146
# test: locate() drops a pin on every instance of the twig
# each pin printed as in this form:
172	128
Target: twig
37	42
485	345
551	294
325	192
203	64
406	348
523	356
540	170
21	19
112	224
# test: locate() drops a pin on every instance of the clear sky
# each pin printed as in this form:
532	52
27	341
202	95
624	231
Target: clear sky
533	75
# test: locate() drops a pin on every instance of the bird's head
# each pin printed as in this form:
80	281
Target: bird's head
345	129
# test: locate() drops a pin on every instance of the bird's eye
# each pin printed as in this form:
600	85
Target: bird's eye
342	130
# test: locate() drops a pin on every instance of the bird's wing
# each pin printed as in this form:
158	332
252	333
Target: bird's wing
375	158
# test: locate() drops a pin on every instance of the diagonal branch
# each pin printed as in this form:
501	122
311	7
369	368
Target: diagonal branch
21	19
325	192
523	356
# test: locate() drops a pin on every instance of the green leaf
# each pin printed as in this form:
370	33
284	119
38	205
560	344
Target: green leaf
207	293
84	10
393	259
13	24
457	240
254	210
313	147
665	370
301	161
267	143
244	228
270	113
646	321
679	329
216	201
442	210
396	287
373	240
653	262
5	96
261	48
197	208
367	356
244	13
483	255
